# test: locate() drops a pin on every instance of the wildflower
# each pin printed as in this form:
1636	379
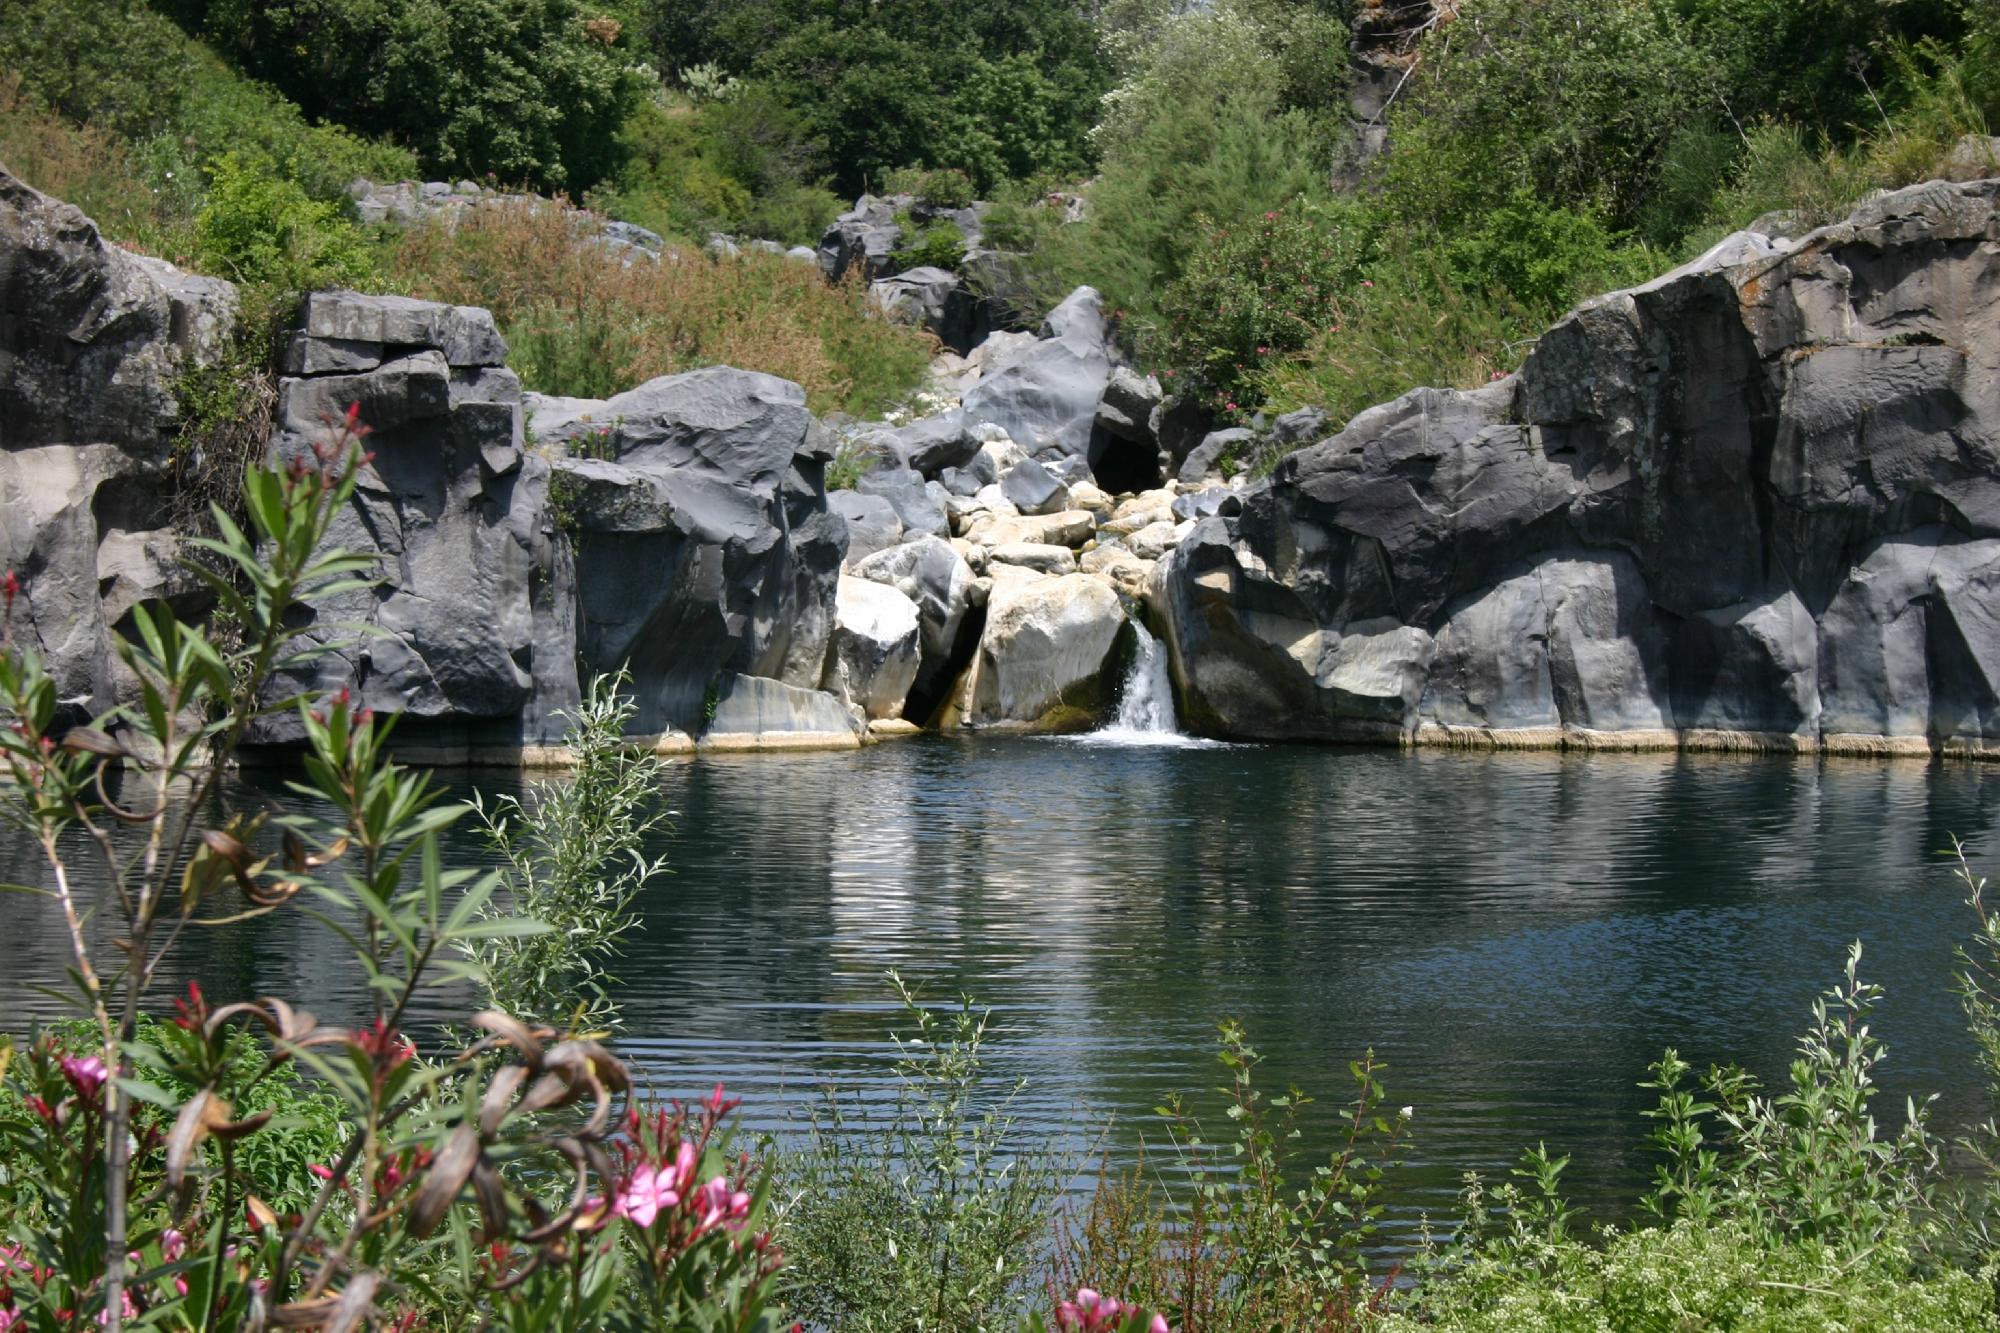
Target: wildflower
720	1204
173	1245
193	1011
86	1075
1366	283
655	1189
10	588
1407	1112
1090	1312
383	1044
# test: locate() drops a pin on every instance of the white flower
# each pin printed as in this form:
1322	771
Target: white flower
1407	1112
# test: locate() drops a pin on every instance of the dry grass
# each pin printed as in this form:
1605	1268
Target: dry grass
579	321
82	165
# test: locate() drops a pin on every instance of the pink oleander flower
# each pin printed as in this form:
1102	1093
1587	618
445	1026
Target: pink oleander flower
85	1074
653	1190
1092	1312
721	1204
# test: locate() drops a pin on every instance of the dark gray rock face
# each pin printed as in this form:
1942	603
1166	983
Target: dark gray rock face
1758	497
1205	459
1048	397
1033	489
919	504
704	545
1127	408
91	336
864	237
469	633
933	444
935	299
937	579
872	524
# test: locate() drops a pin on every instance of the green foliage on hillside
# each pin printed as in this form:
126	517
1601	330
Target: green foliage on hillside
998	90
530	91
1573	100
1542	151
740	165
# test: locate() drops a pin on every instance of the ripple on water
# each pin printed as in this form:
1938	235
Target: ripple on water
1517	935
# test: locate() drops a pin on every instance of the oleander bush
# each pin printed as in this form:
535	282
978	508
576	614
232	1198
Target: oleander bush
243	1165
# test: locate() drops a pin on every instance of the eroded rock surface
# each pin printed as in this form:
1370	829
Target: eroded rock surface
1756	498
704	544
469	632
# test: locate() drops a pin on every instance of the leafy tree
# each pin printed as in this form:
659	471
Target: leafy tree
1573	100
996	90
1544	256
529	90
1199	134
108	62
1262	290
1815	61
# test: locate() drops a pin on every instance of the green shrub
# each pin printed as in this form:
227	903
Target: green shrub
575	859
1808	173
1261	290
1245	1231
740	166
1293	55
306	1128
1416	325
111	63
794	215
995	90
946	187
1544	256
932	1217
939	245
1820	64
1010	121
1572	100
1019	224
225	112
261	229
115	65
1226	161
1693	1276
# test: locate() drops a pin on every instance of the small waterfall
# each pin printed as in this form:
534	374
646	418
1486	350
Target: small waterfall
1146	712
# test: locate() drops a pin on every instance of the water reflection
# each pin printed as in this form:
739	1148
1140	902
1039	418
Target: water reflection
1518	935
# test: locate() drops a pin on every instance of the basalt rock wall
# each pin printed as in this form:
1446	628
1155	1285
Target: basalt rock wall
1754	503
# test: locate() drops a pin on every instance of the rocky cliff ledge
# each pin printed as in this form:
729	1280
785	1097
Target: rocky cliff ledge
1752	504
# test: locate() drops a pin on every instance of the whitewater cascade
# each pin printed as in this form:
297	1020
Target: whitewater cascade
1146	712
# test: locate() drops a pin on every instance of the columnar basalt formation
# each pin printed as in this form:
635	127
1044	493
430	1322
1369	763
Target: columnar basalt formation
1753	503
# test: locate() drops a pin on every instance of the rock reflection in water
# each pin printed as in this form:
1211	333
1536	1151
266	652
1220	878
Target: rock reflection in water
1517	934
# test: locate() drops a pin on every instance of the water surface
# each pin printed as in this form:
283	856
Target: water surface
1516	934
